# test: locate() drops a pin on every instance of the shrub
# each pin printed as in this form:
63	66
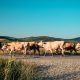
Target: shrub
2	68
11	69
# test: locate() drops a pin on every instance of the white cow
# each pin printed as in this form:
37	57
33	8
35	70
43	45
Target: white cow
78	46
12	47
52	46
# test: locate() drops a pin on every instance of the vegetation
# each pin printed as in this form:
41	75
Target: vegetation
10	69
39	38
47	68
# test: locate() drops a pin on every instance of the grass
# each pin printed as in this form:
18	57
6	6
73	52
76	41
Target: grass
44	68
10	69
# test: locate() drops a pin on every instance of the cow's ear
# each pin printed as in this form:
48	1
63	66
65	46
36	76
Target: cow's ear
8	45
44	42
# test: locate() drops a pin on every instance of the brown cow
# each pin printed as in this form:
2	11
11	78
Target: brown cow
69	46
32	46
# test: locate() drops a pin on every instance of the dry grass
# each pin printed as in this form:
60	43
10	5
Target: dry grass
10	69
58	68
44	68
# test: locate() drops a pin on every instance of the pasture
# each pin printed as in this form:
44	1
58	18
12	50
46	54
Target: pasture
55	67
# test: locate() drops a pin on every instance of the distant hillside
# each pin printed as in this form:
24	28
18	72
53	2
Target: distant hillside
7	39
76	39
73	40
38	38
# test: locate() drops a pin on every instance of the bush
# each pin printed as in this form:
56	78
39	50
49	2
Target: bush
10	69
2	68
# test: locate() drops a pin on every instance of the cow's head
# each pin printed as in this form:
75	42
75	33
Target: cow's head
4	47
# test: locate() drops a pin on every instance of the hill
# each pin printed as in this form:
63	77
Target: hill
76	39
7	39
38	38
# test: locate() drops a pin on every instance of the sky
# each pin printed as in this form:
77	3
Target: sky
54	18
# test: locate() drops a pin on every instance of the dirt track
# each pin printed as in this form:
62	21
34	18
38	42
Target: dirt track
55	68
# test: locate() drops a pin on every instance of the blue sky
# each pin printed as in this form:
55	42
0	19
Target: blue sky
55	18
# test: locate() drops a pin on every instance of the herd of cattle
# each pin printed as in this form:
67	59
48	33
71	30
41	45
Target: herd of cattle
48	47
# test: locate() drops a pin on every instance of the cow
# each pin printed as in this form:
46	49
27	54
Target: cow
31	46
78	46
23	47
12	47
1	47
52	46
8	48
69	46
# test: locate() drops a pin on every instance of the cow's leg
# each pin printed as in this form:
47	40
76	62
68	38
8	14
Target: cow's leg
10	53
2	50
51	51
38	50
25	51
62	52
56	51
34	52
71	51
75	51
62	49
45	52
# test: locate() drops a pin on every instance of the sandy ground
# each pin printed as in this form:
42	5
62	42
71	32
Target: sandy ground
56	67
